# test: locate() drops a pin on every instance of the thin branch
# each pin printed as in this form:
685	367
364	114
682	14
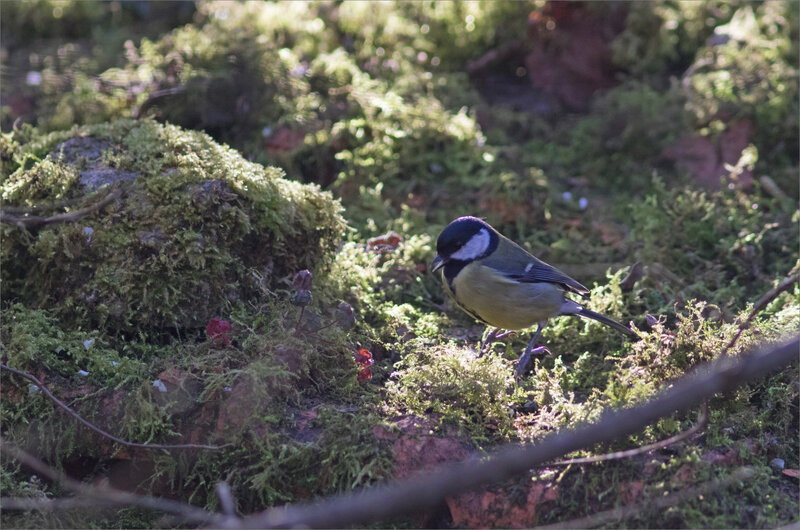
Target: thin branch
618	514
702	422
31	221
27	210
98	430
156	94
186	512
494	56
427	490
763	302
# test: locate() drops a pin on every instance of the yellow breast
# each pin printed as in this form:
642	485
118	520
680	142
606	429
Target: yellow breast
502	302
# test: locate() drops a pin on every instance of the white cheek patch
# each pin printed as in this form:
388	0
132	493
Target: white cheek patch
475	247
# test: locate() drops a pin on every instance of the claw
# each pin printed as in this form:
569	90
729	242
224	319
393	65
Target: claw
492	337
525	359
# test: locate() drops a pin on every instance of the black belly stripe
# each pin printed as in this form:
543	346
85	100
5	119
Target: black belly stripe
471	313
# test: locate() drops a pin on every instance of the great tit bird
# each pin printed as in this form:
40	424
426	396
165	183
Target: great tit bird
499	283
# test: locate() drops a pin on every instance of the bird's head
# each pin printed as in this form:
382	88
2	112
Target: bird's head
464	240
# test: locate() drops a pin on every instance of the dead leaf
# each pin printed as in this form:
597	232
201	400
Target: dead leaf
283	141
570	57
387	241
705	159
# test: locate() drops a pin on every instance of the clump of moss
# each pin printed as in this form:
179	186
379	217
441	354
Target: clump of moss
663	38
194	227
452	383
731	244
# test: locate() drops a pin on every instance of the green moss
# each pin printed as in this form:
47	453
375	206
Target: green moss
660	38
730	244
194	224
472	393
33	337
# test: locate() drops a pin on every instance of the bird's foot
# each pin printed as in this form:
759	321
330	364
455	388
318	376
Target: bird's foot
523	362
491	338
501	336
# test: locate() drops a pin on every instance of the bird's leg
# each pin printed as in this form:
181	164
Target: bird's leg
487	341
530	350
493	336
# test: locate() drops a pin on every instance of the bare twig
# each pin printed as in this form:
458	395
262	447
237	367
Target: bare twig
27	210
31	221
702	422
763	302
618	514
425	491
494	56
635	273
186	512
137	112
98	430
774	190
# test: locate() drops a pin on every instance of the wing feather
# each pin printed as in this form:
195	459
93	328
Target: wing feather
519	265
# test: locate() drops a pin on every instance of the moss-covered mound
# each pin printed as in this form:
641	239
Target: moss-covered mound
165	225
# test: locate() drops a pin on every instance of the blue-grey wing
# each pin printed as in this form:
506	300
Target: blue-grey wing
539	271
514	262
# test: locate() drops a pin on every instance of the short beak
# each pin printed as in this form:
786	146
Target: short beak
437	264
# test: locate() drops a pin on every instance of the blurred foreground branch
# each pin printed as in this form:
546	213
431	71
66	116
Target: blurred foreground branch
425	491
428	490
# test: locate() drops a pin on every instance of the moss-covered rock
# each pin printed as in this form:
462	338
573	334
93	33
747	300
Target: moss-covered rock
167	226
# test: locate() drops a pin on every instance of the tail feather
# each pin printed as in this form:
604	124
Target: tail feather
607	321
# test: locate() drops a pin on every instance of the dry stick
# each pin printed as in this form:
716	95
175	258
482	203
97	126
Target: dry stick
27	210
617	514
763	302
138	111
702	422
33	220
186	512
98	430
428	490
493	56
